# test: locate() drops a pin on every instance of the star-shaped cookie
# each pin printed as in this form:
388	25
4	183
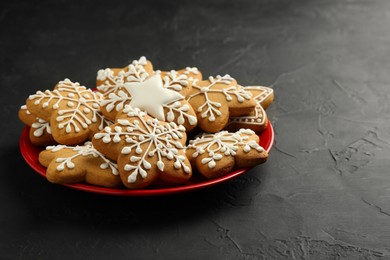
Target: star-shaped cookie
160	94
145	149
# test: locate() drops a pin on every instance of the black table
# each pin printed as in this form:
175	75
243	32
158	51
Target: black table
323	194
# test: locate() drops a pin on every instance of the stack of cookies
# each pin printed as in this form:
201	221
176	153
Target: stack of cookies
132	132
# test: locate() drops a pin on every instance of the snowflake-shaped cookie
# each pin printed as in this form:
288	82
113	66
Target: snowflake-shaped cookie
161	94
76	164
146	149
257	120
73	111
217	154
40	131
215	99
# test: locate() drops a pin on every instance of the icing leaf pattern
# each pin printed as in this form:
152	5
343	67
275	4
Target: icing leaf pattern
82	105
117	95
221	144
163	141
210	108
135	72
81	150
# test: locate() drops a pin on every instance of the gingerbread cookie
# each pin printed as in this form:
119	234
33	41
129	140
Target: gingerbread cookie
68	165
215	155
40	131
215	99
158	94
145	149
257	120
181	80
73	111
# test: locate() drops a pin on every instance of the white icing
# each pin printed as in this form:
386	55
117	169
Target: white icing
193	70
74	96
151	96
162	141
136	88
210	108
135	72
24	107
258	118
175	81
41	126
83	150
221	144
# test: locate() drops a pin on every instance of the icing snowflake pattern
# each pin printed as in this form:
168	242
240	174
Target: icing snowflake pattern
210	108
84	150
135	72
118	94
82	105
161	139
221	144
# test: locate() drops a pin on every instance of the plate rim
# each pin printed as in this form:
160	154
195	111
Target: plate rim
24	143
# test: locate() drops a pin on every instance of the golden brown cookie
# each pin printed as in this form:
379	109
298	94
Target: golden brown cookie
73	111
180	80
40	131
158	94
215	99
257	120
145	149
215	155
77	164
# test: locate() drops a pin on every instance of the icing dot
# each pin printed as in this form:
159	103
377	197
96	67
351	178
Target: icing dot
211	164
247	148
71	95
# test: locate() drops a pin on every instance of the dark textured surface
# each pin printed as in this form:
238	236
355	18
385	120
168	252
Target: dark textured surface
323	194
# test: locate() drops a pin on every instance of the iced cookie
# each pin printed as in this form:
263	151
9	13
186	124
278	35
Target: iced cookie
77	164
73	111
215	155
257	120
158	94
216	99
40	131
180	80
145	149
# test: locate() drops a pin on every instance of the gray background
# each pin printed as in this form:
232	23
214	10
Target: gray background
323	194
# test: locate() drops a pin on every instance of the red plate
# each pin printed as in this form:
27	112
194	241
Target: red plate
31	152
